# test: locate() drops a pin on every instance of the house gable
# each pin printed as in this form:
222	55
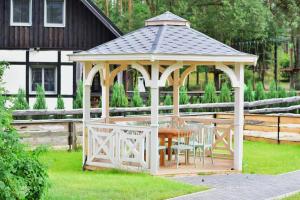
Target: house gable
85	27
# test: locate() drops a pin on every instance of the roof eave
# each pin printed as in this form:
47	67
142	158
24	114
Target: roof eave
246	59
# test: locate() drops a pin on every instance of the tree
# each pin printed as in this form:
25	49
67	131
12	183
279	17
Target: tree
260	91
22	176
40	102
79	96
20	102
60	105
225	95
183	96
272	90
137	101
248	92
118	98
210	95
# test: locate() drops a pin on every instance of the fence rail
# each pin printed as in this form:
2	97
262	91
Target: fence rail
250	107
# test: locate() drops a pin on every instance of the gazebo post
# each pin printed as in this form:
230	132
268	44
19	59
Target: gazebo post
239	118
105	93
154	117
176	93
87	66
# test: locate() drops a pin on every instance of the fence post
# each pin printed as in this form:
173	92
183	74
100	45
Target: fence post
278	129
72	136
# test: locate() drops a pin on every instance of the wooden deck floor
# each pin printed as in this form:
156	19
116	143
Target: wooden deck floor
219	166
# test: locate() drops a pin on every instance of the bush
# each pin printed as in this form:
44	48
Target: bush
281	92
225	95
119	98
20	102
40	102
210	95
183	96
22	176
168	101
260	91
60	105
137	101
272	90
248	92
77	104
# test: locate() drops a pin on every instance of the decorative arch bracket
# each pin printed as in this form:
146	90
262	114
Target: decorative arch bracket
186	72
97	68
143	71
167	72
230	73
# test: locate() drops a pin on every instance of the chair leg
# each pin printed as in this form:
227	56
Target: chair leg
211	156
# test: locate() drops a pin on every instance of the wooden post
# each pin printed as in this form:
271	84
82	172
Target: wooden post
86	109
239	118
105	93
176	93
154	118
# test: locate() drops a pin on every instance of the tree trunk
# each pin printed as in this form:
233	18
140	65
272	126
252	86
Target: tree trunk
297	63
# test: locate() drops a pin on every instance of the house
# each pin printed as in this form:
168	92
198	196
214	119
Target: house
37	35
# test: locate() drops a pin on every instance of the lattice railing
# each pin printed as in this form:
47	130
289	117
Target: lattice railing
119	146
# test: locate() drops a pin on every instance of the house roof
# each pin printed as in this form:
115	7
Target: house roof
166	34
102	17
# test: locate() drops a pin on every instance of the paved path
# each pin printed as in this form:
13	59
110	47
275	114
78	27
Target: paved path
243	186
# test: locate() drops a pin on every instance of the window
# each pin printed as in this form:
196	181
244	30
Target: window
45	76
55	12
20	12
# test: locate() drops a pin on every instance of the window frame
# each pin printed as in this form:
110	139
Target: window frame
12	23
46	24
43	78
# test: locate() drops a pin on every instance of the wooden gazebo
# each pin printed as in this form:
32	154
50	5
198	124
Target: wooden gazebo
158	51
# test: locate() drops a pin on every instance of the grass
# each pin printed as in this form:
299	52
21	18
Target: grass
68	181
264	158
293	197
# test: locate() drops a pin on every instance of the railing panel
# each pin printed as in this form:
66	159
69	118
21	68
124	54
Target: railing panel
119	146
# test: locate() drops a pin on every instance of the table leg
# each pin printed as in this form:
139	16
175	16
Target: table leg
169	148
162	156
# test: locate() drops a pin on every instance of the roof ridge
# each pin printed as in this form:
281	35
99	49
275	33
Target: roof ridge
157	40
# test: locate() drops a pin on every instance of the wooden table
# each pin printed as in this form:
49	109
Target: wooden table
169	133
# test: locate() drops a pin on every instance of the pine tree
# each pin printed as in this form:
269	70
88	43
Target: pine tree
168	101
248	92
119	98
225	95
272	90
20	102
281	93
40	102
137	101
60	105
183	96
260	92
78	102
210	95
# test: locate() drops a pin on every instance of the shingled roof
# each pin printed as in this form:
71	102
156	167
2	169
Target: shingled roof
166	34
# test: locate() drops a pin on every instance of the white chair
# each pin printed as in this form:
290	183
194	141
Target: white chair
182	143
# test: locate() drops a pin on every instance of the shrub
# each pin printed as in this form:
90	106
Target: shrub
119	98
20	102
210	95
248	92
22	176
292	93
79	96
272	90
183	96
40	102
260	91
137	101
225	95
281	92
60	105
168	101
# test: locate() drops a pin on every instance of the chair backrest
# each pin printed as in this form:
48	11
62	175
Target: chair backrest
209	135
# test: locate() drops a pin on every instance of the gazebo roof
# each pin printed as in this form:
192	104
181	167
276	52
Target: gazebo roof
164	36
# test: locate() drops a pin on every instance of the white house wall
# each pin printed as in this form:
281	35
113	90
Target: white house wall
17	76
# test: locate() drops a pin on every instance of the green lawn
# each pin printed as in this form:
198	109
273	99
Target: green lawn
293	197
68	181
264	158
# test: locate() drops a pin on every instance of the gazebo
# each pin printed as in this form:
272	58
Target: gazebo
158	51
